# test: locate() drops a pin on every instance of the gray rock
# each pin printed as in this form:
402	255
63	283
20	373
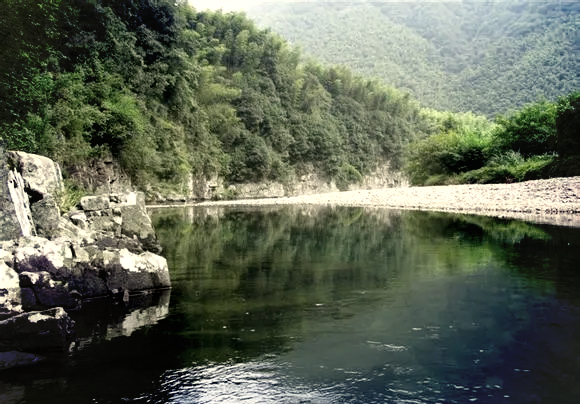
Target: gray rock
90	203
100	175
123	270
10	297
46	216
36	331
48	292
15	216
260	190
136	223
106	224
79	219
28	298
118	243
52	269
41	174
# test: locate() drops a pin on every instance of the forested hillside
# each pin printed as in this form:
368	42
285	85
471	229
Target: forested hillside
480	56
171	92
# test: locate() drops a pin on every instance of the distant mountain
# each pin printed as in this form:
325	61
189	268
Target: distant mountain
485	57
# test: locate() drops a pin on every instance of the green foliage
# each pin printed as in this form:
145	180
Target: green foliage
347	175
567	123
530	131
461	143
522	145
480	56
508	170
69	197
171	92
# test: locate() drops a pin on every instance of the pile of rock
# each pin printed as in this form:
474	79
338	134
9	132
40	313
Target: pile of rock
50	263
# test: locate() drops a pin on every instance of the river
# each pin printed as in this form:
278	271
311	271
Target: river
332	305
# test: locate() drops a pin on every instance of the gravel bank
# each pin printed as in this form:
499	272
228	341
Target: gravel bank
555	200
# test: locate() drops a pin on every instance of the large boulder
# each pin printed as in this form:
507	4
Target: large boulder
15	216
41	174
42	183
46	292
61	272
46	216
92	203
136	223
36	331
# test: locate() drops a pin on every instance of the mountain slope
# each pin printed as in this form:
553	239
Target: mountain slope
484	57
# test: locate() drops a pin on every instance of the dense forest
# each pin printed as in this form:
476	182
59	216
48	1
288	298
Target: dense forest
171	92
480	56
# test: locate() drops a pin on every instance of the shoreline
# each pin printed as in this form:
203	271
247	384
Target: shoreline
550	201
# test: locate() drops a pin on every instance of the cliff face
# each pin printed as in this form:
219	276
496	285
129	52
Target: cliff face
309	182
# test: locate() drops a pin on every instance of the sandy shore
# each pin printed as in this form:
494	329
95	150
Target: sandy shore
555	201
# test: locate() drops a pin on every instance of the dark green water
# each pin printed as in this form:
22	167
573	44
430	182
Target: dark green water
333	305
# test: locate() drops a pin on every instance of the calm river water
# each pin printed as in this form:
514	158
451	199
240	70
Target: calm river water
332	305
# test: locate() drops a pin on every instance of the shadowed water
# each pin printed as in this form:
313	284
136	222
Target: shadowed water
333	305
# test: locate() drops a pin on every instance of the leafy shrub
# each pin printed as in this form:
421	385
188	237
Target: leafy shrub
530	131
512	168
347	175
461	143
567	124
69	197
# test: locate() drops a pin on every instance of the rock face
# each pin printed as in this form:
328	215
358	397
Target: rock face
101	176
49	261
63	272
15	216
307	182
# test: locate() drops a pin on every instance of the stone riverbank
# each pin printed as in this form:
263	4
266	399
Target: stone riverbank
554	201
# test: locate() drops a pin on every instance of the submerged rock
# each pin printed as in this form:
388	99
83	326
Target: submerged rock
37	330
13	359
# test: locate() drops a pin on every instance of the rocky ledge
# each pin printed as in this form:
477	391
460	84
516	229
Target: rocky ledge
50	263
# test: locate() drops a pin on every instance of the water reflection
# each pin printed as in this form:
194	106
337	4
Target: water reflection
335	305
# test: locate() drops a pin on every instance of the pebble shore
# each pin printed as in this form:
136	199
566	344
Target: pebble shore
555	200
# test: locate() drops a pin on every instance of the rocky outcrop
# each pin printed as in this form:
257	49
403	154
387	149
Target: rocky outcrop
101	176
307	182
63	272
105	248
121	216
15	215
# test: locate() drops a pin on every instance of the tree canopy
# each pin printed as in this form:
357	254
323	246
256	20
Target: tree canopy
170	92
480	56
